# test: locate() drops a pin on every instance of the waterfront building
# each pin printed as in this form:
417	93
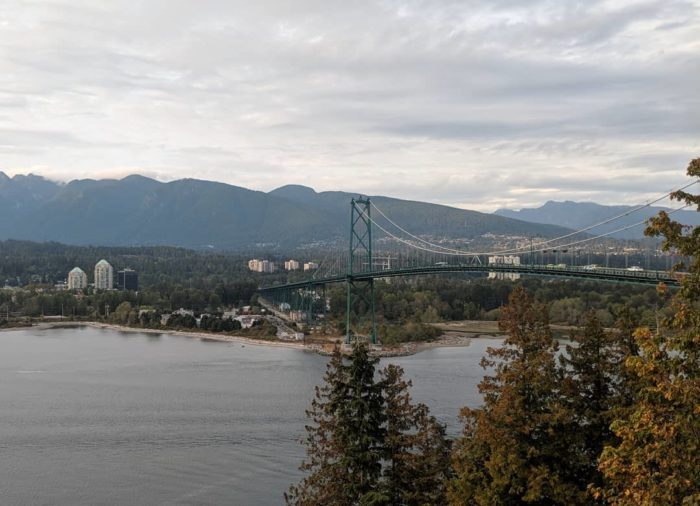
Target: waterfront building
128	279
77	279
104	275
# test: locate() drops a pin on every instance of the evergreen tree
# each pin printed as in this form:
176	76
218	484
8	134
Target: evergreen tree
362	423
368	444
515	449
590	375
344	442
416	452
624	346
657	460
323	442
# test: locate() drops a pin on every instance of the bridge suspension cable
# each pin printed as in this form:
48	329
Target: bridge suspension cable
469	254
525	249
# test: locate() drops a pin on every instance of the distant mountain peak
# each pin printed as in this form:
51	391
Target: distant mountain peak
295	193
578	215
138	178
297	188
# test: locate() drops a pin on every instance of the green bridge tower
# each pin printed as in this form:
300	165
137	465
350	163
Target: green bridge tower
360	260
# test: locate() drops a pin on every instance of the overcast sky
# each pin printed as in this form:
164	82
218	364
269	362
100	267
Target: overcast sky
498	103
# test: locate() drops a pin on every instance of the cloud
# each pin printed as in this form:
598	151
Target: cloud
476	104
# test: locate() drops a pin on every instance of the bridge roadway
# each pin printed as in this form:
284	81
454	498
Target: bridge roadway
597	274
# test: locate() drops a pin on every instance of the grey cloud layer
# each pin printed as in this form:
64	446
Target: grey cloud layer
477	104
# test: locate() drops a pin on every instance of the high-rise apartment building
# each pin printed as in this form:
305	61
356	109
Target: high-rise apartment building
104	275
77	279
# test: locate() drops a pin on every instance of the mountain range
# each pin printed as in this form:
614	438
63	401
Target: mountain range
192	213
578	215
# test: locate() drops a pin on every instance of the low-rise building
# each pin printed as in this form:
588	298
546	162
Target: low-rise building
230	314
128	279
504	260
310	266
247	321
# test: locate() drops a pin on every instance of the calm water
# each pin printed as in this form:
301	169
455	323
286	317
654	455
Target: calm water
92	416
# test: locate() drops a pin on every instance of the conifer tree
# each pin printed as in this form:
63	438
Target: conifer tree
367	443
344	441
324	446
657	460
416	452
590	375
624	346
362	424
514	449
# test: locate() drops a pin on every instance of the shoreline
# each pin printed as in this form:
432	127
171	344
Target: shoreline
405	349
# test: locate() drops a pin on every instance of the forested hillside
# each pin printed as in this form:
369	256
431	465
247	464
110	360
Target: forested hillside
138	211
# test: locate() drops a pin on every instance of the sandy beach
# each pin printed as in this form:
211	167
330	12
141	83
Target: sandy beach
449	339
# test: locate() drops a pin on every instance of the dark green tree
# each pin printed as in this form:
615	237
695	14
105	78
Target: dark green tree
368	444
344	440
590	377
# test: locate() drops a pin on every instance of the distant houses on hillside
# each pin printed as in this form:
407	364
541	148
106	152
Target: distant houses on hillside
268	266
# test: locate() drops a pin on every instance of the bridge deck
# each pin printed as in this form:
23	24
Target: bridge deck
599	274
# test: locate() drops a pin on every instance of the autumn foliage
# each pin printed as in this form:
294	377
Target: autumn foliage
613	418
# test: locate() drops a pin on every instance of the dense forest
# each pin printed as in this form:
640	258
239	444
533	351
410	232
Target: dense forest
25	262
412	304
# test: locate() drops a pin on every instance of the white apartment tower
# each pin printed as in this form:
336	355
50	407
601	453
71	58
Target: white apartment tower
291	265
104	275
77	279
256	265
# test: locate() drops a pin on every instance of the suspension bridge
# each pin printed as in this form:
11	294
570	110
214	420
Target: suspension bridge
380	248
